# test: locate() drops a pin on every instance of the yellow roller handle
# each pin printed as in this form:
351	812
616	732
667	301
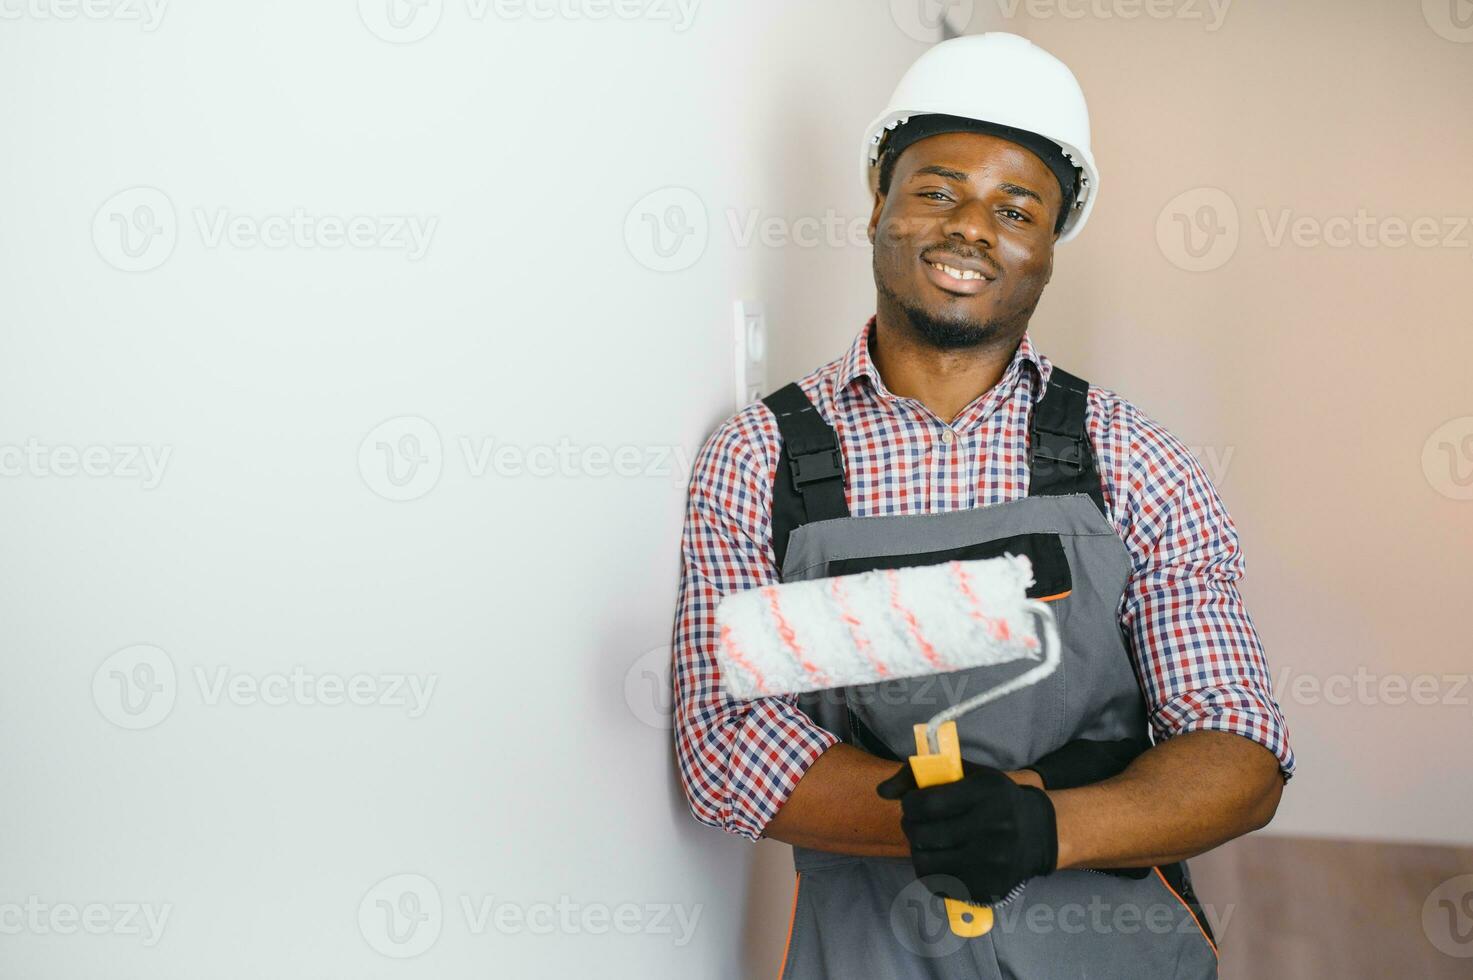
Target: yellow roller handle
935	769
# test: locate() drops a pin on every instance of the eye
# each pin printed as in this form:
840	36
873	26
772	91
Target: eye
935	195
1014	211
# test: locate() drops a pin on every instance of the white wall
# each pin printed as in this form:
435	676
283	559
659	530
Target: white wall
540	768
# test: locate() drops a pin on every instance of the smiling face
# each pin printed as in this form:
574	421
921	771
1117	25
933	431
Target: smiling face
964	239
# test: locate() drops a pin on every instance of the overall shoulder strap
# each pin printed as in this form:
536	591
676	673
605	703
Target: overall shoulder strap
808	484
1060	460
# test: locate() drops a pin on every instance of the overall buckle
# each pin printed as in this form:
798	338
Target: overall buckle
1061	449
812	467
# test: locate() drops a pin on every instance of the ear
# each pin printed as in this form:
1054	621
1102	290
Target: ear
874	215
879	205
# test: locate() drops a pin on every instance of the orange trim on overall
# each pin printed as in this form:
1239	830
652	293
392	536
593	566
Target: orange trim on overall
782	970
1056	595
1184	905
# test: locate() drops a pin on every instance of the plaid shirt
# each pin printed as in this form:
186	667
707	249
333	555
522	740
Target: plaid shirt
1196	651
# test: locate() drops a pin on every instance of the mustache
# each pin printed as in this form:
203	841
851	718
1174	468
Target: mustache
934	253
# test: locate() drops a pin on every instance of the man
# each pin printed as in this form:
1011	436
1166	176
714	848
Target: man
957	438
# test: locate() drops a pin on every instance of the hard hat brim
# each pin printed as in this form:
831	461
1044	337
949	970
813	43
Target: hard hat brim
1089	183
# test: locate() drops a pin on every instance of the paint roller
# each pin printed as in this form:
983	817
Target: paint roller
891	624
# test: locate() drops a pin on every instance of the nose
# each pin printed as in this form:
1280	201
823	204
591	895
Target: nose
971	221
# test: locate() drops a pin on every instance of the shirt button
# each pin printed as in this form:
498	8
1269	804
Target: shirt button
948	436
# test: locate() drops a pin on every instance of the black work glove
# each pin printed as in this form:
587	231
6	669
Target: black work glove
1085	761
984	830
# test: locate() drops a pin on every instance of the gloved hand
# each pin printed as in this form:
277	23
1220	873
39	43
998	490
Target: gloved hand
984	830
1085	761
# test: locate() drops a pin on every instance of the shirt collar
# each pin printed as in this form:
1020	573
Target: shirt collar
857	364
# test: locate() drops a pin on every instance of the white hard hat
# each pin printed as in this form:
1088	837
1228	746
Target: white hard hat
997	78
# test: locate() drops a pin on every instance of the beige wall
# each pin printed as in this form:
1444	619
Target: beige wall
1311	376
1318	383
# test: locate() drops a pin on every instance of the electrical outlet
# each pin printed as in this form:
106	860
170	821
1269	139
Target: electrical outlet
750	323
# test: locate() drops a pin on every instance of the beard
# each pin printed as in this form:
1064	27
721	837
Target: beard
943	333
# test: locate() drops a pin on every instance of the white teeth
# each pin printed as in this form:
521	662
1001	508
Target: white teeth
956	273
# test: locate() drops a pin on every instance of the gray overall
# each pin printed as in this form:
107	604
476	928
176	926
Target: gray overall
858	917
